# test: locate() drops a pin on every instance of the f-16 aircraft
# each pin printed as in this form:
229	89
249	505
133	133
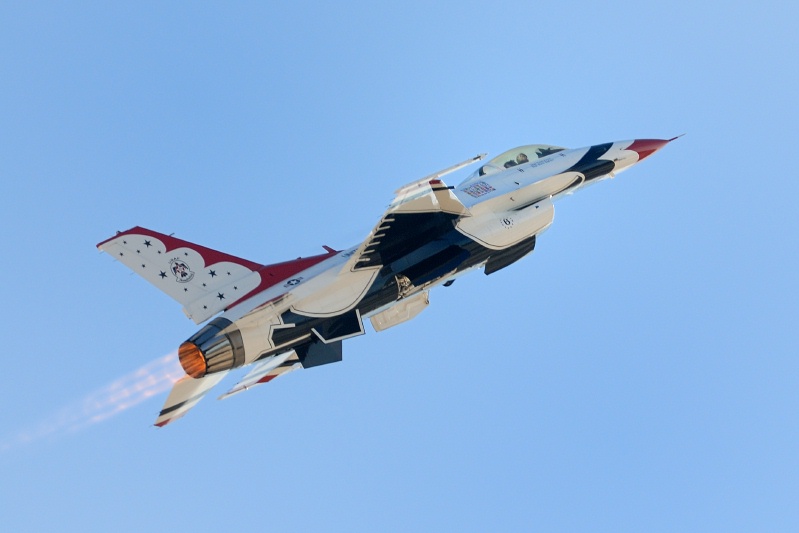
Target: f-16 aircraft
292	315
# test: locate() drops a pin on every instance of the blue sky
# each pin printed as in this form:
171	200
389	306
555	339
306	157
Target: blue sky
636	373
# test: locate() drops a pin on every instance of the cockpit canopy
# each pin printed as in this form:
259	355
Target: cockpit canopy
517	156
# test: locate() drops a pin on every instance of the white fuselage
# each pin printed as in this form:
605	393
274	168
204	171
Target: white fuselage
505	207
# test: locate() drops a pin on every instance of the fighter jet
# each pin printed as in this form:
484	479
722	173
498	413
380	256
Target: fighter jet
292	315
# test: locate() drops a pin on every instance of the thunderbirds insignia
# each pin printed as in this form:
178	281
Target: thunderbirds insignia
181	271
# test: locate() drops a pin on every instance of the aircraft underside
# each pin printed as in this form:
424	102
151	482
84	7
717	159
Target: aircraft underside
408	271
408	268
296	314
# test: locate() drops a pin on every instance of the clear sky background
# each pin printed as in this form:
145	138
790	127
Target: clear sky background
637	373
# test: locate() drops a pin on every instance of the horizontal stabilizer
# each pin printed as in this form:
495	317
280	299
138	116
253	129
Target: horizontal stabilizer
265	371
185	394
313	354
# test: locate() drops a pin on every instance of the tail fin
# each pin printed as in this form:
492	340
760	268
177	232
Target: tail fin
203	280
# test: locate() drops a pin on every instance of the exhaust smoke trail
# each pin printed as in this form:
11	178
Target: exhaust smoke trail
121	394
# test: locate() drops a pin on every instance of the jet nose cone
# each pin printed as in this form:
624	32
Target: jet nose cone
647	147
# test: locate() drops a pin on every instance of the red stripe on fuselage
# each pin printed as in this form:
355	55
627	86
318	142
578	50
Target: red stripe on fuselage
646	147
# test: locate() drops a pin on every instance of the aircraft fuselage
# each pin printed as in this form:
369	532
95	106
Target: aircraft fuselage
506	209
296	314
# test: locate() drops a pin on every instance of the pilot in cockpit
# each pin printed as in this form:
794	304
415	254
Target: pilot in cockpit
520	160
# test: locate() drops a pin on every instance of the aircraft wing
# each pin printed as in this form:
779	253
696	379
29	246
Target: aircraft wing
188	392
420	211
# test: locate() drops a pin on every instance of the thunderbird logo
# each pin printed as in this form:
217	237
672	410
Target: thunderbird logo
181	271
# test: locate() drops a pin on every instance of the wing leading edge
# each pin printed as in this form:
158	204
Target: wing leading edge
434	206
